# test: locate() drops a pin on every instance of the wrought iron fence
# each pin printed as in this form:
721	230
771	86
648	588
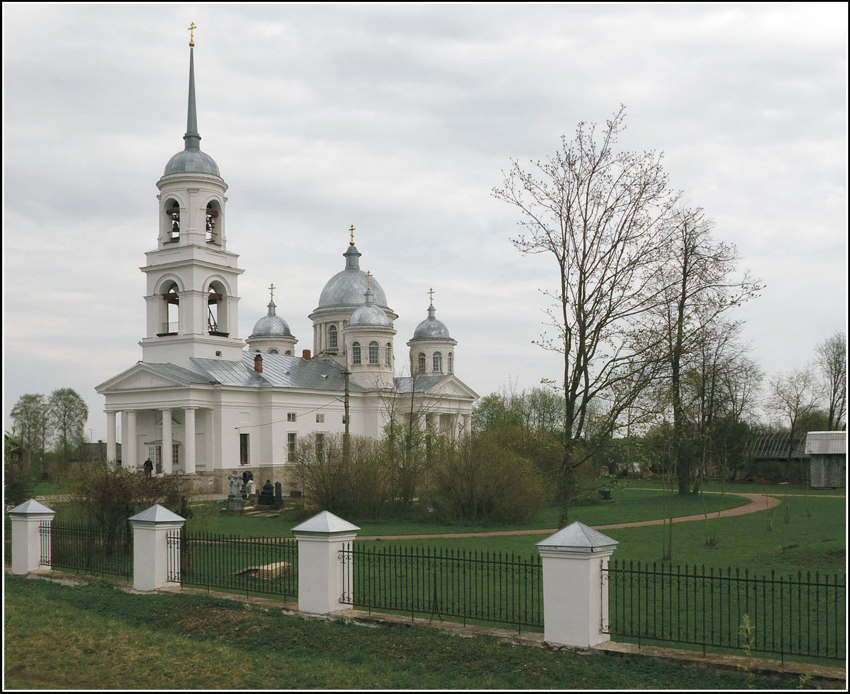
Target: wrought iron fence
712	608
481	587
247	565
88	549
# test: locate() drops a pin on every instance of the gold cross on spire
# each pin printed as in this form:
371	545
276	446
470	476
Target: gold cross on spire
351	230
431	295
192	34
271	291
368	280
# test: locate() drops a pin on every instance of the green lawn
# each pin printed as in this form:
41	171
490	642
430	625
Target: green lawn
98	637
795	541
627	504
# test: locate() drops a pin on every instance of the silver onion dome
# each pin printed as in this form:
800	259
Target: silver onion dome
369	315
191	161
431	328
346	288
271	325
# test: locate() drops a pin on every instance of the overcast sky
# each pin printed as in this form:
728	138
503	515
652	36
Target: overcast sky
399	119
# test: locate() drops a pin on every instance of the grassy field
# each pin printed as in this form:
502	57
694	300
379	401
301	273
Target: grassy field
628	504
98	637
785	539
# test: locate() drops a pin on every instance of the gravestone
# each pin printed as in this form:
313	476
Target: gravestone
234	495
267	495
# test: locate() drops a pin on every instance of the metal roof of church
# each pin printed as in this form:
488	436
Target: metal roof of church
279	371
423	383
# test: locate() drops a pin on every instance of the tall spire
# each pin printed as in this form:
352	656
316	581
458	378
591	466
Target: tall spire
192	138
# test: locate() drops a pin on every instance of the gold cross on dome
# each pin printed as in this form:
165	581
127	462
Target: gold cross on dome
431	295
368	280
192	34
271	291
351	230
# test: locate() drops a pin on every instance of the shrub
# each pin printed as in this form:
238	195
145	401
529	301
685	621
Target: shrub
479	479
357	486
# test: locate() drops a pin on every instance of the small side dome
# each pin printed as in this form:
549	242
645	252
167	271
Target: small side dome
431	328
271	325
369	315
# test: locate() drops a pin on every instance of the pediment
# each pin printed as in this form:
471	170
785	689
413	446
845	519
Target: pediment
453	388
140	377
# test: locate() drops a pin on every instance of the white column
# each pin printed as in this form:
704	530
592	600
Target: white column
111	448
189	440
320	572
575	602
129	451
167	457
26	536
151	529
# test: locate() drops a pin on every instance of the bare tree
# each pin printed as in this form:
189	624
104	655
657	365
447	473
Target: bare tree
793	396
601	216
832	361
696	279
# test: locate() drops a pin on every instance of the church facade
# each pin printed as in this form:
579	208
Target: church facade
204	402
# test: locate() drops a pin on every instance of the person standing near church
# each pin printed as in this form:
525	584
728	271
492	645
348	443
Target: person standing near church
148	467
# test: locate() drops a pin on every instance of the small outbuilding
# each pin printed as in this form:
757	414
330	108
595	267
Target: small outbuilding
827	452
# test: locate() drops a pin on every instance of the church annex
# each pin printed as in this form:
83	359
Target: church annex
204	402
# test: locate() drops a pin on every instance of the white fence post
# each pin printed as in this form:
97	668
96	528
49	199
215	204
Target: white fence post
575	602
150	547
320	571
26	536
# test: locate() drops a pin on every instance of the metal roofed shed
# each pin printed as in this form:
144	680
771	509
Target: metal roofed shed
827	451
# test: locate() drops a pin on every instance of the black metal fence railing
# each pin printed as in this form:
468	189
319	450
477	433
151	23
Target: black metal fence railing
712	608
88	549
482	587
266	565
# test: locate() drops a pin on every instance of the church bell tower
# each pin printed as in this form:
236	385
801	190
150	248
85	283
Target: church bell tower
192	278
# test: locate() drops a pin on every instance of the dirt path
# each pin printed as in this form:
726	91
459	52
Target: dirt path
758	502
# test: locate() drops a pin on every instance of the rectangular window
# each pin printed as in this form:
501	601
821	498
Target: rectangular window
290	416
320	447
243	449
291	441
320	418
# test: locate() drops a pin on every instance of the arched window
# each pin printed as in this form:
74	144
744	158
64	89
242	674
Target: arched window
217	311
389	354
355	353
332	337
422	362
438	362
172	221
171	315
273	351
373	352
211	222
451	362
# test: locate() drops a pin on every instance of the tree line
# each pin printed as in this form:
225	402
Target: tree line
48	429
642	305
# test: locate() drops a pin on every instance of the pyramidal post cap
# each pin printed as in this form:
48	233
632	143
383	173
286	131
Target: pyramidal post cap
325	522
157	514
32	507
578	537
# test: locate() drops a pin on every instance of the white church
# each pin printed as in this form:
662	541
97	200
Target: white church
204	402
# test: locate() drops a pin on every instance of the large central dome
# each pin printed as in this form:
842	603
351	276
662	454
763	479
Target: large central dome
347	288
